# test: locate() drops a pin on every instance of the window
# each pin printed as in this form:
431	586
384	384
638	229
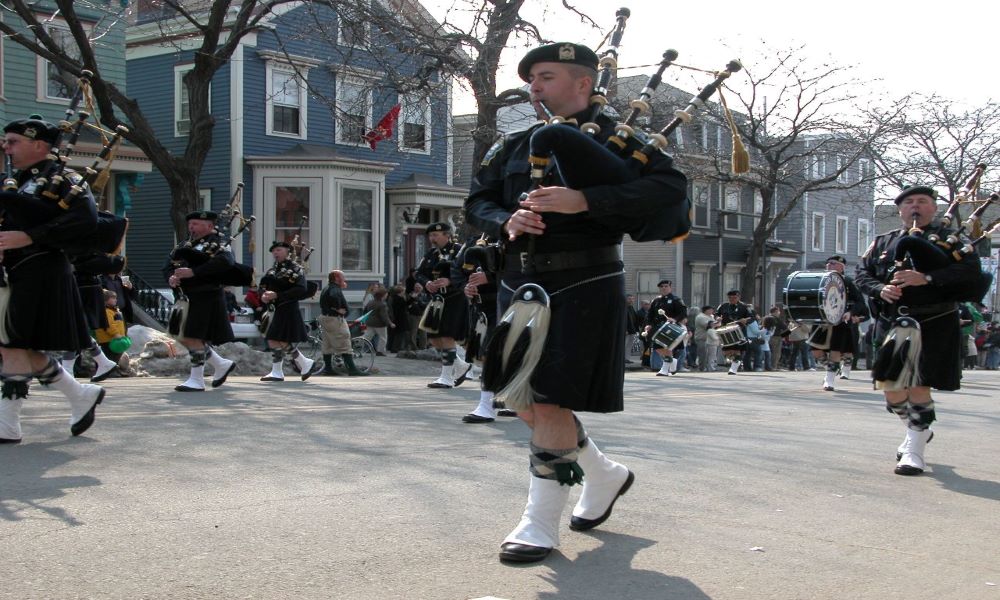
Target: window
182	104
357	228
864	167
286	101
758	208
732	203
841	242
55	85
354	110
701	199
415	123
699	286
864	236
818	231
730	280
352	30
647	281
291	203
841	170
819	166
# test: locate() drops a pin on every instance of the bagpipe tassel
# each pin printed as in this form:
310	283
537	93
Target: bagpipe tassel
897	366
741	158
516	347
477	336
178	315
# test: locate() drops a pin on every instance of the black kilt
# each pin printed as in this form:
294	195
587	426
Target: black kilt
287	324
454	318
581	368
92	298
842	339
208	317
941	349
45	311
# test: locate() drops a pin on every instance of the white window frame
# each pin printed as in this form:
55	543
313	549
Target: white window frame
704	189
731	279
703	273
841	234
863	166
724	202
758	208
179	72
645	283
270	225
344	80
376	224
299	74
864	235
818	233
819	166
842	175
42	65
408	101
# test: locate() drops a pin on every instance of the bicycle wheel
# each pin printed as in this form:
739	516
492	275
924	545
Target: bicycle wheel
313	347
364	354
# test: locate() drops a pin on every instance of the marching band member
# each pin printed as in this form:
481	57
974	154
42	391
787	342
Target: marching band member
284	285
675	311
907	298
434	273
840	337
734	311
207	319
560	240
42	303
336	332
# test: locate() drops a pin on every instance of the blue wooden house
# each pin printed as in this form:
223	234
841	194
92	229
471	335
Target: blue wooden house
292	113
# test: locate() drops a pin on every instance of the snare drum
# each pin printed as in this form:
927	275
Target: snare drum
731	336
670	335
815	297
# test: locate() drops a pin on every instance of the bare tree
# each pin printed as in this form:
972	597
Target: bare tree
799	122
937	142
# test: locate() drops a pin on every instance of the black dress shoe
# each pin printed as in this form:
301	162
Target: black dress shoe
522	553
104	375
461	379
506	412
438	386
270	378
217	382
184	388
10	441
581	524
88	419
471	418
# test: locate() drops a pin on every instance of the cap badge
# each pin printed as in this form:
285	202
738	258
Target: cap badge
567	52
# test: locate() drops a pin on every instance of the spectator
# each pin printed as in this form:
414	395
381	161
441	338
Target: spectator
702	323
416	303
632	325
379	321
398	313
122	286
114	338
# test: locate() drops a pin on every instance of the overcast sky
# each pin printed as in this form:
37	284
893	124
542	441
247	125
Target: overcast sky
943	47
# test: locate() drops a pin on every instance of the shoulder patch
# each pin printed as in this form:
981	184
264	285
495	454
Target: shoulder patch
493	151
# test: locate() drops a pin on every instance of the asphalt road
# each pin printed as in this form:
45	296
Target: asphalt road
758	485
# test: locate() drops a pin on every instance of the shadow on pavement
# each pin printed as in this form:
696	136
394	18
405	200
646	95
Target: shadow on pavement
24	488
950	480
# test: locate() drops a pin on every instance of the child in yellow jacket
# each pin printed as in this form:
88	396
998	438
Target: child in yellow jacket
114	338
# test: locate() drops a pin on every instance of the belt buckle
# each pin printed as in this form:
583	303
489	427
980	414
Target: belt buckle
527	263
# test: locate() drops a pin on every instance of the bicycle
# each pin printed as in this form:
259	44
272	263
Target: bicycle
364	351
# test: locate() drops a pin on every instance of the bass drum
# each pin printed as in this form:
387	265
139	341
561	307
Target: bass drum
670	335
815	297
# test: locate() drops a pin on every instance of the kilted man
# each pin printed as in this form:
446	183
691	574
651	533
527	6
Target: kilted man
446	318
837	342
196	273
663	309
41	309
734	311
917	326
87	269
565	245
283	286
336	331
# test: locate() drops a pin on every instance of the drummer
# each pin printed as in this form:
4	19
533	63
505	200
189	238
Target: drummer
665	308
838	340
739	313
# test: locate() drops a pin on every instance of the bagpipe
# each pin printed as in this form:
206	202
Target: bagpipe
926	252
582	161
48	196
229	224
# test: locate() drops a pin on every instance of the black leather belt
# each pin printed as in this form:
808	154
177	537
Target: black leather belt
559	261
922	310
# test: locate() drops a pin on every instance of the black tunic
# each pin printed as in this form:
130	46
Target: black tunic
455	317
581	366
932	305
45	311
210	259
288	280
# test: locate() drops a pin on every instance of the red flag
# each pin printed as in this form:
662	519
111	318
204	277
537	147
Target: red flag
383	130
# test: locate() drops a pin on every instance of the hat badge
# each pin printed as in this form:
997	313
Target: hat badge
30	132
567	52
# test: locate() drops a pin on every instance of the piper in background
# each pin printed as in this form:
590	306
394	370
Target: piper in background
284	285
